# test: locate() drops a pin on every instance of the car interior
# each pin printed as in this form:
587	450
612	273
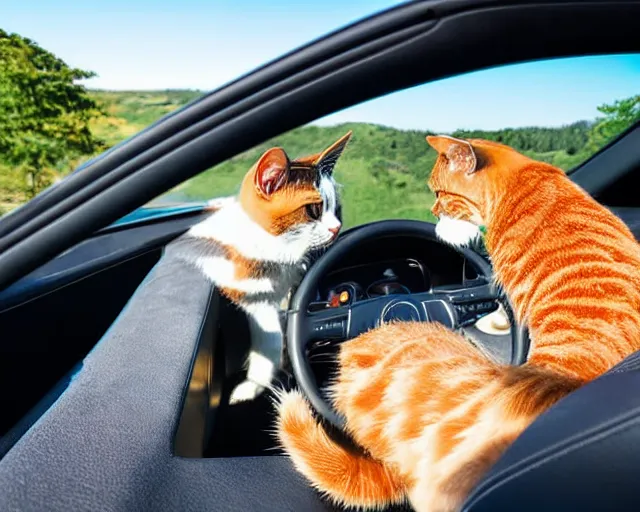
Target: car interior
117	359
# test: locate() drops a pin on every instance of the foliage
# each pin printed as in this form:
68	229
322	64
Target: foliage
383	170
569	138
128	112
618	116
44	115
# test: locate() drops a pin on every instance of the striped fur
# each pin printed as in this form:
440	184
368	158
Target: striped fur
253	246
570	267
432	412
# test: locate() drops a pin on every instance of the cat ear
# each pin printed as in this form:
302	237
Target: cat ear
271	171
326	161
459	152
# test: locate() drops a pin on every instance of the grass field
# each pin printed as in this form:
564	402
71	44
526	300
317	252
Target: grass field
383	171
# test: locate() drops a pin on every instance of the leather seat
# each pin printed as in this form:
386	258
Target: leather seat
583	454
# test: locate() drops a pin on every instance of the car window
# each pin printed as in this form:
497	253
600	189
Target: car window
561	111
66	96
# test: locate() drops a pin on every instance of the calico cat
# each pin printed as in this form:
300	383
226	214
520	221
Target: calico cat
432	412
253	246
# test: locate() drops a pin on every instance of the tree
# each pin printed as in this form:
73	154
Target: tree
44	114
618	116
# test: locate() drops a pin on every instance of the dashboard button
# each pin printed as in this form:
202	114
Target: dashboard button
469	314
332	328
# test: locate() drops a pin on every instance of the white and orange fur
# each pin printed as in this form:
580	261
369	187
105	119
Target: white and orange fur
431	412
253	246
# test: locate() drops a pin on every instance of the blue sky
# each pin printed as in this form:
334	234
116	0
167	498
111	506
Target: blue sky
202	44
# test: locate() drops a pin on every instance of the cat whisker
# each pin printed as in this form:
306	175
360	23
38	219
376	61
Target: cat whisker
323	360
273	449
324	355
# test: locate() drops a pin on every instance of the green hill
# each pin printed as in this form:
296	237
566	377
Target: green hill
383	171
128	112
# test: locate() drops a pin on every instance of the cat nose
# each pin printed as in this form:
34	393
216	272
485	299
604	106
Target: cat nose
335	231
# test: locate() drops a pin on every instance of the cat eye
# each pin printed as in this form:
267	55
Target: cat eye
314	211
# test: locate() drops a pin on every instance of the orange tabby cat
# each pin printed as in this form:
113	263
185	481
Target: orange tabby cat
433	413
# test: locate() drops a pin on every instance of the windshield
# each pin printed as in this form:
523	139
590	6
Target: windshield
54	116
559	111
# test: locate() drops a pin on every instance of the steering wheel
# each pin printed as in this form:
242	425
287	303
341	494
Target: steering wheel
453	308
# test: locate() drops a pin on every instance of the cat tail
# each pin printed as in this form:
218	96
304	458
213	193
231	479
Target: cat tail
345	476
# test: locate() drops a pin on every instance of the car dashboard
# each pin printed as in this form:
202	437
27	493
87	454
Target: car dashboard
406	264
367	281
394	266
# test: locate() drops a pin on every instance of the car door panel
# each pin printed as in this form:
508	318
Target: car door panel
107	443
51	318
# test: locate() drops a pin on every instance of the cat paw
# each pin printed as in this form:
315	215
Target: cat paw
244	391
